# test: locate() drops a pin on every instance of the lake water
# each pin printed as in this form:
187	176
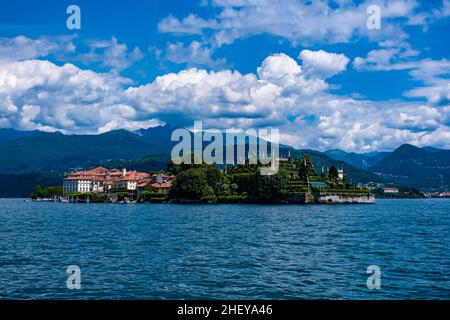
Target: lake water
225	251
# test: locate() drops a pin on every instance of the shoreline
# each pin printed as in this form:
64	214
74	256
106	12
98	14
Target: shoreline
313	198
221	203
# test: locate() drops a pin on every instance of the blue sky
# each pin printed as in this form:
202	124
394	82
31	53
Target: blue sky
312	69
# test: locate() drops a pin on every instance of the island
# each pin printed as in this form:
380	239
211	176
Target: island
296	182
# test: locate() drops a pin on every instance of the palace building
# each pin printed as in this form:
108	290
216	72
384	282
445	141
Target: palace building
102	180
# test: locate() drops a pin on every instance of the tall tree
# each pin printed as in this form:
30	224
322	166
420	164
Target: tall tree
333	173
309	165
270	188
303	172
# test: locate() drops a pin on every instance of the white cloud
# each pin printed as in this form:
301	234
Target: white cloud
111	54
285	72
323	63
303	22
189	25
426	17
433	74
438	94
395	54
278	66
306	23
23	48
430	71
195	54
382	60
41	95
38	94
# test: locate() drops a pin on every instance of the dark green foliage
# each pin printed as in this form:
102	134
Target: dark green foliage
243	182
98	198
157	200
122	195
232	199
320	160
207	184
333	173
209	199
119	190
213	177
306	169
48	192
309	165
269	188
192	184
84	197
153	197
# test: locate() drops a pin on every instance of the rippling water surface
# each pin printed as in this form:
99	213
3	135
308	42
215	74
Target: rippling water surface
225	251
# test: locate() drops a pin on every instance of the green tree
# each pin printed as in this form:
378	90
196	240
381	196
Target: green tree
270	188
333	173
245	182
303	172
37	193
48	192
191	184
213	176
309	165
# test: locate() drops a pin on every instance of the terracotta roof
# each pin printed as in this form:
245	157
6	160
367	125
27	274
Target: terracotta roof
103	175
143	183
134	176
78	178
164	185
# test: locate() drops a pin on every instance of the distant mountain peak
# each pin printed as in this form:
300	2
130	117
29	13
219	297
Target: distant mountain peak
165	127
407	146
117	132
417	167
408	151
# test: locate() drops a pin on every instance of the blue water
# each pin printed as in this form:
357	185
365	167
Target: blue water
225	251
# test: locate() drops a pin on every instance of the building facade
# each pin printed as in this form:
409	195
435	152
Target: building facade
101	180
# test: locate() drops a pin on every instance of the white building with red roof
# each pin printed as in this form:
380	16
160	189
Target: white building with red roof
103	180
160	181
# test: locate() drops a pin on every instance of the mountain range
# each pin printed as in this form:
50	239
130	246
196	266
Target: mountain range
424	168
11	134
44	151
31	157
360	160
